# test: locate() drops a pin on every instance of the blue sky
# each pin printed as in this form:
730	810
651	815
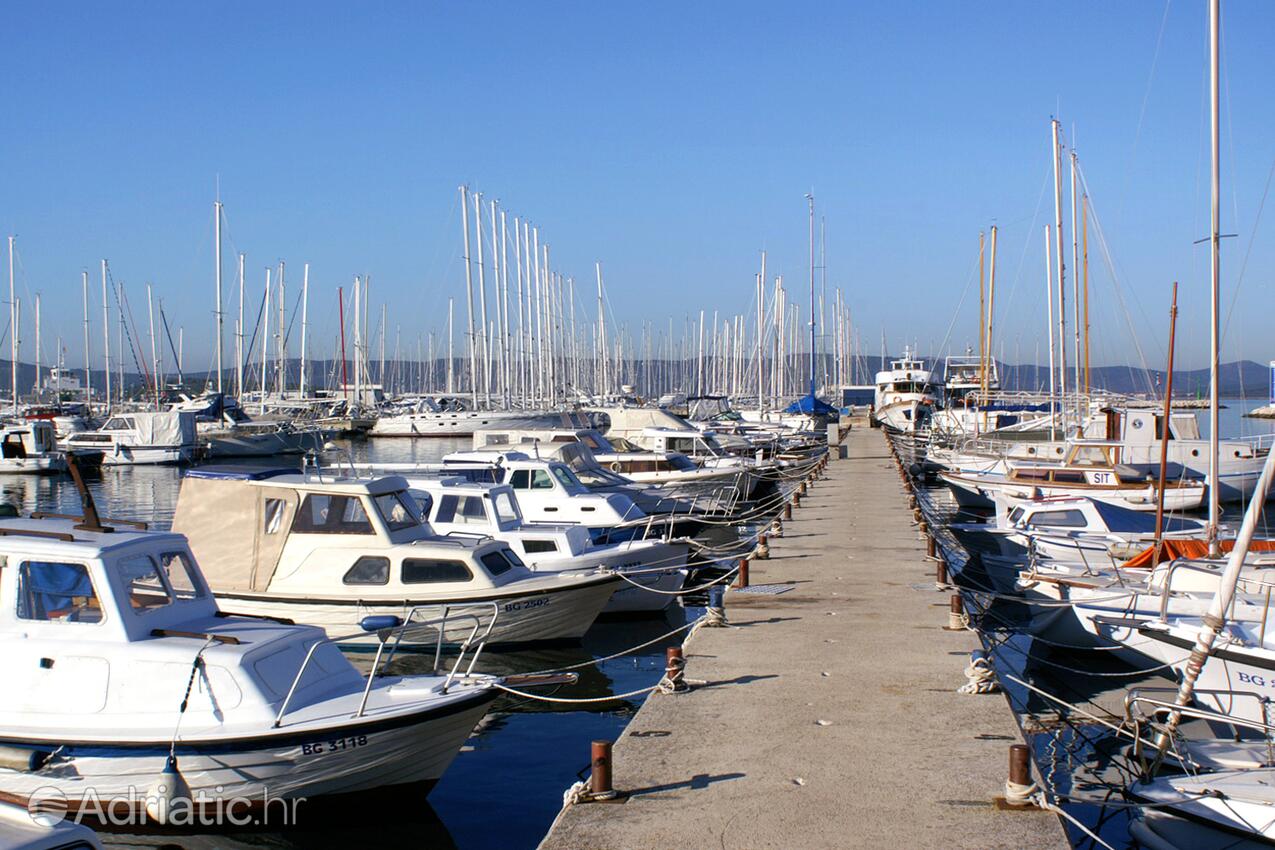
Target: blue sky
670	141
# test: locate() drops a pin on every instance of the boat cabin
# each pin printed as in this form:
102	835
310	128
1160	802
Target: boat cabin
105	624
264	531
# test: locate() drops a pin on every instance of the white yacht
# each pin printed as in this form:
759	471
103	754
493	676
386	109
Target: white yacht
331	551
225	430
441	417
127	687
905	395
128	439
455	506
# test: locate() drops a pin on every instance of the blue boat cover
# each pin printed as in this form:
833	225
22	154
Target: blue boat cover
1129	521
240	473
811	405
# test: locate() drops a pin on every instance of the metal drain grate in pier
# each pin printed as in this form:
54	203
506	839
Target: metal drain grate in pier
764	589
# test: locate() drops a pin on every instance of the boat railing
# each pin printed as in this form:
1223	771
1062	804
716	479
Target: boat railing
457	617
1260	442
1139	707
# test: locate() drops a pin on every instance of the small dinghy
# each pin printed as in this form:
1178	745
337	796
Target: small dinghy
130	695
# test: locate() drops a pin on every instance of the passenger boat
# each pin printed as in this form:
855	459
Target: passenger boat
129	691
905	395
438	417
331	551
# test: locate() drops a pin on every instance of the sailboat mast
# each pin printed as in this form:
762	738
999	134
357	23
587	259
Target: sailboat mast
305	324
13	332
1214	268
239	352
469	297
811	199
217	251
88	371
761	335
1049	299
106	337
1060	267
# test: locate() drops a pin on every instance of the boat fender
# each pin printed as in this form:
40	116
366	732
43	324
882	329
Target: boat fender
377	622
167	788
23	760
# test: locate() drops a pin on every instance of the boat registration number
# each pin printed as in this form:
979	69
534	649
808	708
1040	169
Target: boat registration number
1101	478
1254	679
335	745
527	604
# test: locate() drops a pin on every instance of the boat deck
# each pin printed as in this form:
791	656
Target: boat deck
830	717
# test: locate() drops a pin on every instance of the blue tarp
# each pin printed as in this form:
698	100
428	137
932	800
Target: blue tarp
1129	521
812	405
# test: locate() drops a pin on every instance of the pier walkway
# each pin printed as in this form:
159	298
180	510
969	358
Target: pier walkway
830	717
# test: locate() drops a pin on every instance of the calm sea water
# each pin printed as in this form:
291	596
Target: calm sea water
506	785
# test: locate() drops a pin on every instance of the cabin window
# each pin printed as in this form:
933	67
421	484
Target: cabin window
1062	477
142	583
368	570
540	480
432	570
12	446
119	423
274	511
1015	515
506	510
1159	429
564	476
535	547
496	563
58	592
182	575
324	514
462	510
395	512
520	479
1058	519
681	444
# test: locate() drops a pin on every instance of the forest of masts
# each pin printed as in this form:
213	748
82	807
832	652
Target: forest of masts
529	341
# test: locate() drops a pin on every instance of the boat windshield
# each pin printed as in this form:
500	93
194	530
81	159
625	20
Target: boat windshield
506	510
461	510
57	592
324	514
566	477
395	511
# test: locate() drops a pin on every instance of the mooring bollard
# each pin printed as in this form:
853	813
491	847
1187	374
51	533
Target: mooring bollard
674	671
600	776
1020	790
802	488
763	548
923	527
788	510
741	578
955	614
930	546
715	612
940	573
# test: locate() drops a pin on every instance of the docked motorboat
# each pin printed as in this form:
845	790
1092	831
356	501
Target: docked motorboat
454	506
1091	468
331	551
130	692
146	437
30	449
225	430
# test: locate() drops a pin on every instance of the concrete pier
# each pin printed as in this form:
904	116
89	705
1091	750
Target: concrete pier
829	717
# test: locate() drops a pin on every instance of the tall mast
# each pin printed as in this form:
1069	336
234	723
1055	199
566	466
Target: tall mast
602	331
991	311
150	315
239	352
761	334
265	337
305	324
37	346
811	199
106	337
1084	241
358	342
217	250
13	332
482	297
469	297
88	371
505	362
1075	285
1214	269
450	336
1061	271
982	310
1049	298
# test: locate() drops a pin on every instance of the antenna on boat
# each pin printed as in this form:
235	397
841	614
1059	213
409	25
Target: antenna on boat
91	520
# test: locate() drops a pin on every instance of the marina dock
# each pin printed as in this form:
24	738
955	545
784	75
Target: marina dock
827	715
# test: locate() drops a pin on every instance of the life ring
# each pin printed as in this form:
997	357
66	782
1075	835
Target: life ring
615	466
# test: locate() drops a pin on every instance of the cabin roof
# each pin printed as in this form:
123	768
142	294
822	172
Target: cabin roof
28	534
